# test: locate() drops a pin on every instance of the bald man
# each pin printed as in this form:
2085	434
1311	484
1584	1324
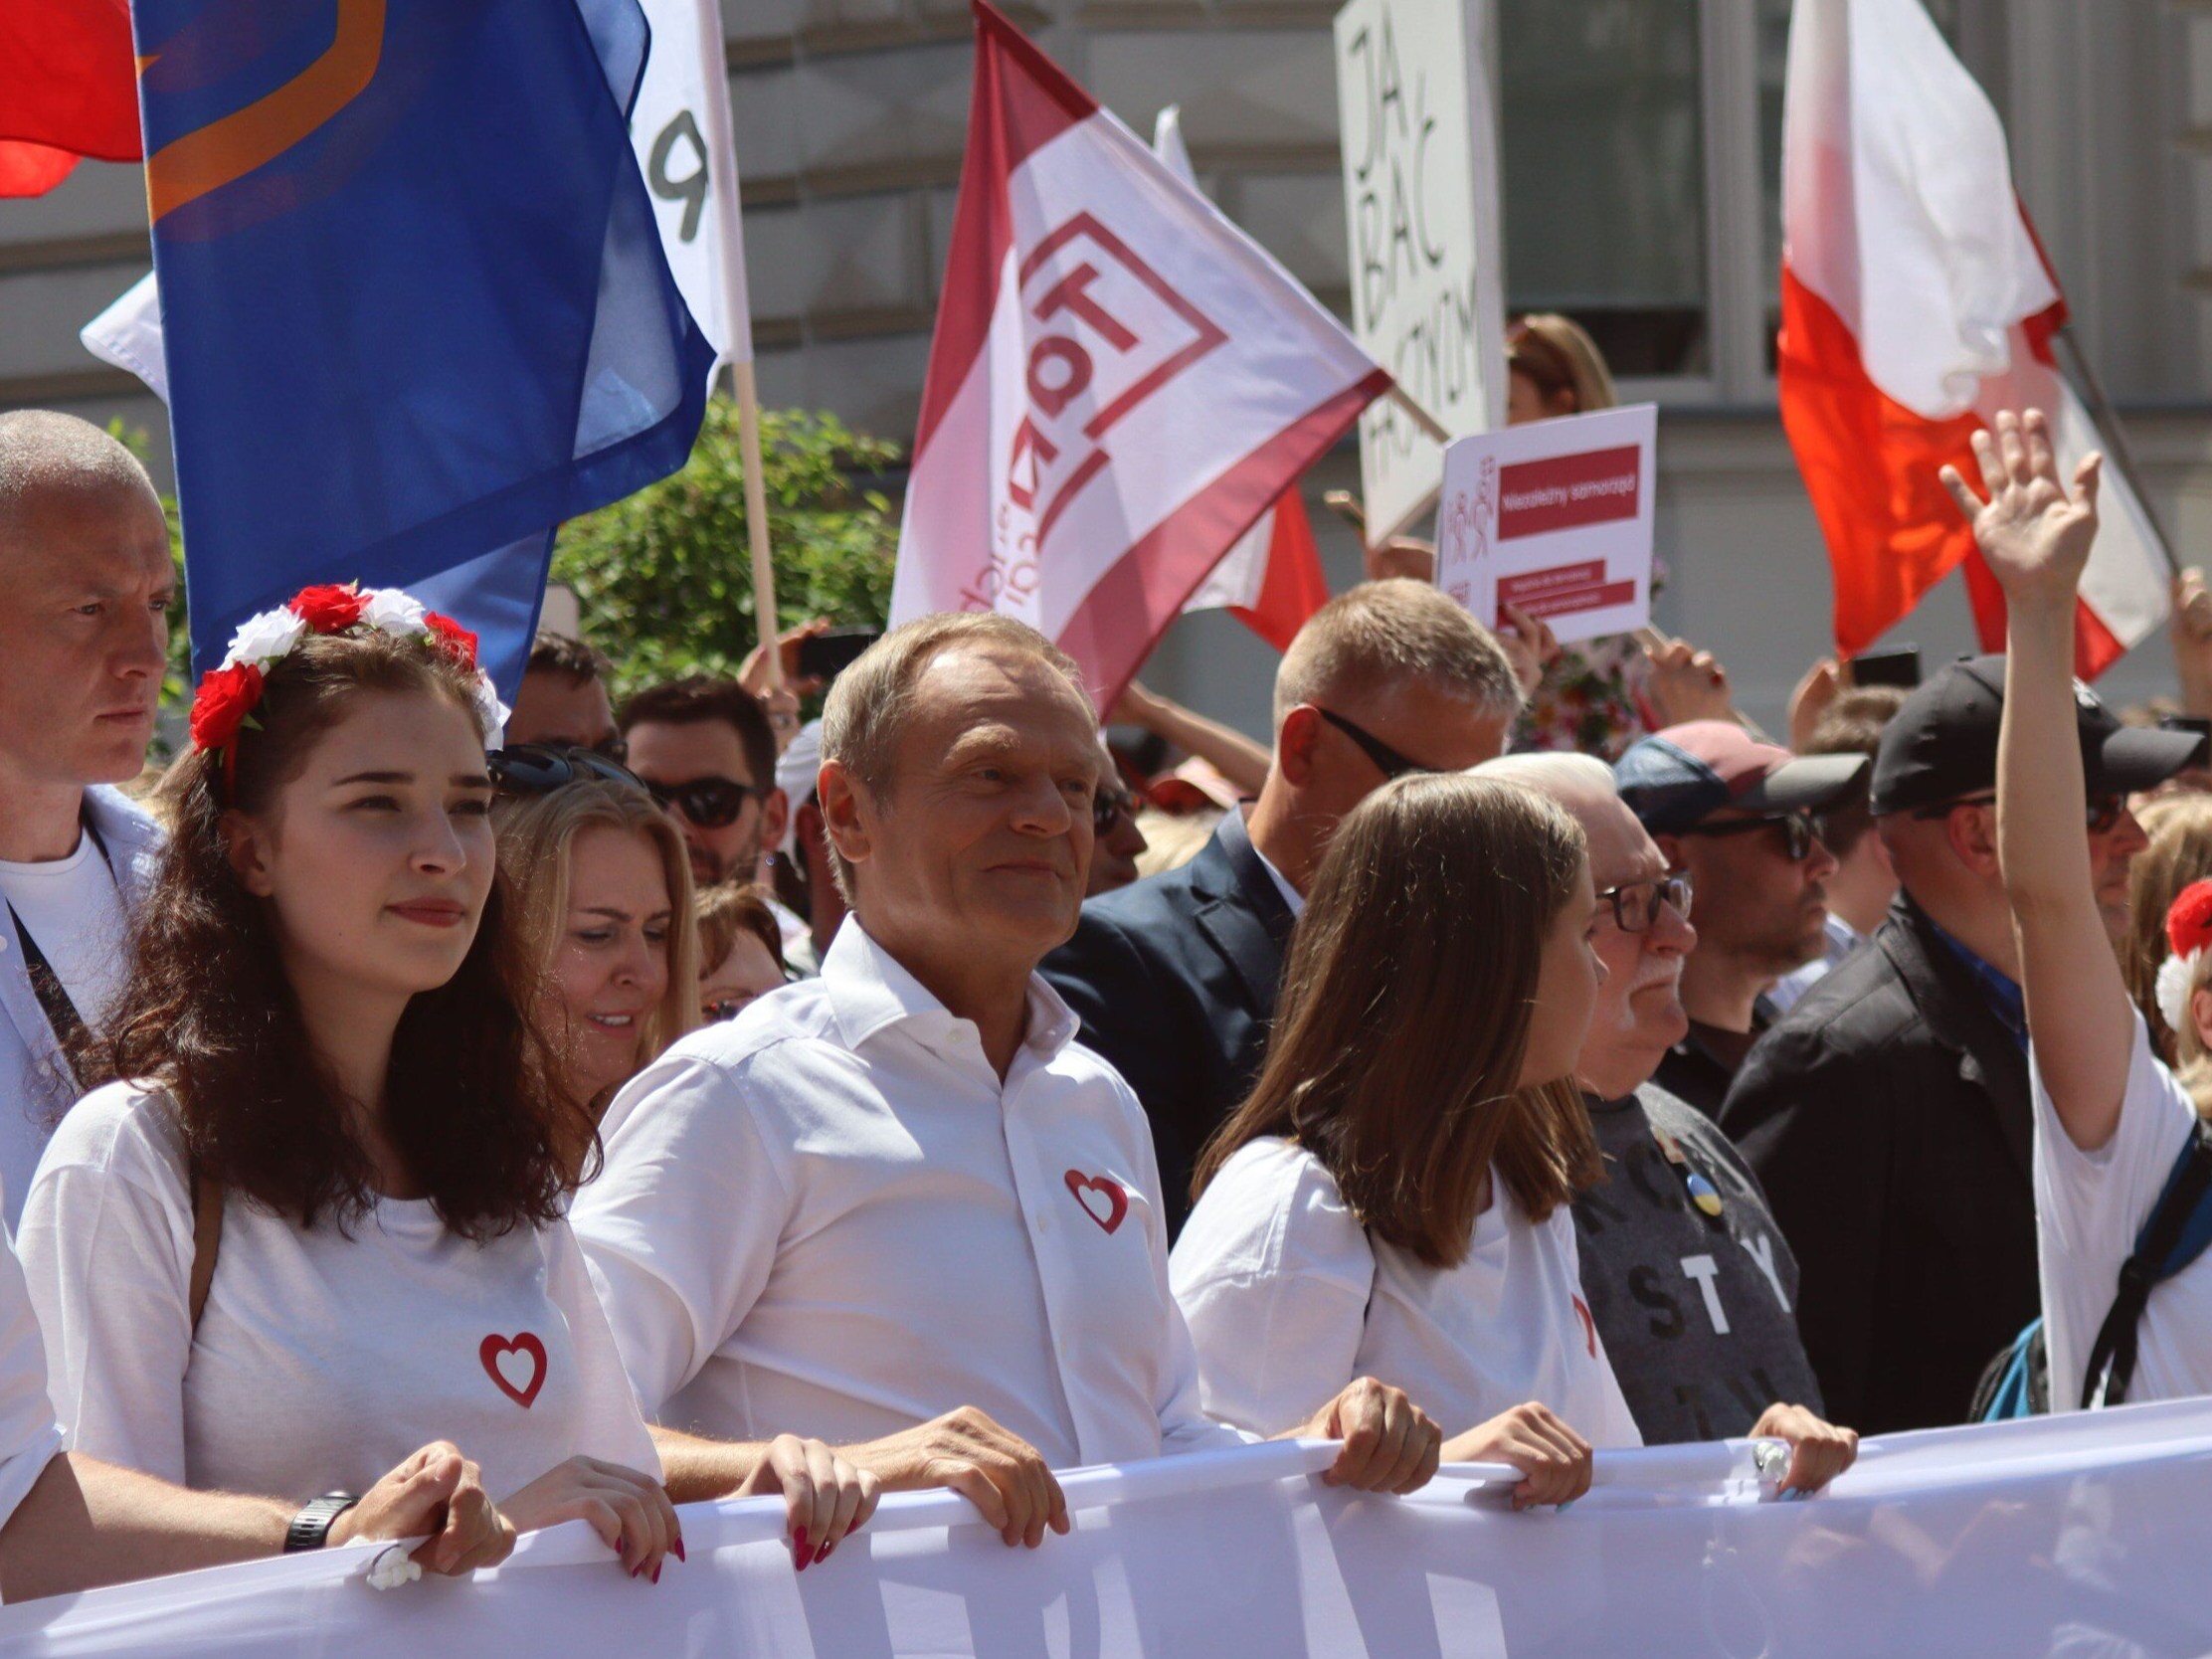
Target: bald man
86	580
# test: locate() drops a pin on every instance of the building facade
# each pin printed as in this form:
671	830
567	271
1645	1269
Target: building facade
1640	171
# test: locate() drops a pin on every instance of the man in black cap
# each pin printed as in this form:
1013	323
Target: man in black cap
1886	1115
1736	816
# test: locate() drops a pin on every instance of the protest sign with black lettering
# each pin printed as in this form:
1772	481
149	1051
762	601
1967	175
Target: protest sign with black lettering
1421	204
679	126
1555	518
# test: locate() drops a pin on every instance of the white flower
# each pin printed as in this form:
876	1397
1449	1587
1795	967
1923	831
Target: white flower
2177	977
491	713
393	611
264	638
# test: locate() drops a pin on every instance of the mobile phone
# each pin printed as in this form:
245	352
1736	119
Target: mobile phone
826	655
1900	665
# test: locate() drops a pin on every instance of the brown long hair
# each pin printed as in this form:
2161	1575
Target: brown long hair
1405	1009
2179	827
207	1013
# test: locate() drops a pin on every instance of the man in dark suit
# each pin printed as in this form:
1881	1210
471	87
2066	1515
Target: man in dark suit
1175	978
1886	1115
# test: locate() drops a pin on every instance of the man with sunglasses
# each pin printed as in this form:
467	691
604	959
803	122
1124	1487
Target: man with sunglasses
706	749
1888	1113
1689	1279
1175	977
1735	814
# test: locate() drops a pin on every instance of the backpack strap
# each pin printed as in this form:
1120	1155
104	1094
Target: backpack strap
2177	1232
206	1238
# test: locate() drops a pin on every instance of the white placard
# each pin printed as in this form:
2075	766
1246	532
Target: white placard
1555	517
1420	203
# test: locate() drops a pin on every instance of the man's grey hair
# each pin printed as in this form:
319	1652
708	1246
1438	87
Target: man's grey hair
42	450
1380	636
1553	772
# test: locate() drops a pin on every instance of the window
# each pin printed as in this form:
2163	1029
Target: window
1642	181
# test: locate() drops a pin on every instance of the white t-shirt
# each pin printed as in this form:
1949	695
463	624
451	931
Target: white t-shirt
2088	1208
1288	1300
829	1217
321	1361
72	908
28	1435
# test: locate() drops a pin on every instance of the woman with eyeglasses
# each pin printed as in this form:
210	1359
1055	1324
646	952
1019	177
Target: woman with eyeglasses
1392	1196
741	949
599	886
315	1215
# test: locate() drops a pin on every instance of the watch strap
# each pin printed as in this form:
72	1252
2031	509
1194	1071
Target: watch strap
310	1528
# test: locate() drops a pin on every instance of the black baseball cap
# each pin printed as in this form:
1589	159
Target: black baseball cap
1943	744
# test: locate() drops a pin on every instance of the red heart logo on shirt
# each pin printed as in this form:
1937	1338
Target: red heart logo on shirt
1590	1325
505	1357
1110	1203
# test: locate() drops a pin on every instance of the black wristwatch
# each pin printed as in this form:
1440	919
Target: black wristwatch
310	1528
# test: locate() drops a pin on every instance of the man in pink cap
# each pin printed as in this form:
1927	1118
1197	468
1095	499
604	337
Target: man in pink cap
1741	818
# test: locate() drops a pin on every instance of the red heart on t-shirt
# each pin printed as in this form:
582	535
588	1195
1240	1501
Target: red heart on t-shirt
1590	1325
1111	1205
500	1355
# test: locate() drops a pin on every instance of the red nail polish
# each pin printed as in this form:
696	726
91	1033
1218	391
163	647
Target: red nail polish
656	1575
640	1567
822	1554
680	1549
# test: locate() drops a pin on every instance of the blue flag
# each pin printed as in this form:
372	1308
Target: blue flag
416	309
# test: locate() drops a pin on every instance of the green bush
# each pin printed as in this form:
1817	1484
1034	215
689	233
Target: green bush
664	579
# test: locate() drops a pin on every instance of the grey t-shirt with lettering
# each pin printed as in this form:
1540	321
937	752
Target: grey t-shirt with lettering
1697	1311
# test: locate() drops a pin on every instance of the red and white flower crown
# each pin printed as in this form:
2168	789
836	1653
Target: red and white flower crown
227	697
2188	937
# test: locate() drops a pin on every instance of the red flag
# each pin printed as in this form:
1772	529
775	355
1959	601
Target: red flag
1271	580
1121	382
67	88
1916	304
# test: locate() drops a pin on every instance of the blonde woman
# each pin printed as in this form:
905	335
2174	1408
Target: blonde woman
599	885
2179	854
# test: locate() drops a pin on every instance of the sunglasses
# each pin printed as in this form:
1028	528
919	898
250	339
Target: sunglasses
538	768
1109	805
2099	813
1387	759
709	803
1797	829
1636	903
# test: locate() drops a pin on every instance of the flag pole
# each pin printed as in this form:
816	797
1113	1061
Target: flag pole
1420	417
737	327
2115	434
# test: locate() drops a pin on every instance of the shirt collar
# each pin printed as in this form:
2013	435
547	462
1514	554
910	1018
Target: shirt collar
2002	993
870	991
1292	897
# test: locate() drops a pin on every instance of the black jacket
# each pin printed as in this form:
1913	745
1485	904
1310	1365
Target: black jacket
1888	1117
1175	981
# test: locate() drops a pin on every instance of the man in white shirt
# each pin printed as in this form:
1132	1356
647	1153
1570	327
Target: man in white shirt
903	1190
84	644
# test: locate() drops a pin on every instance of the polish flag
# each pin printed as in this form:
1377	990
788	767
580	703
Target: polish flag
1121	384
68	87
1272	581
1916	303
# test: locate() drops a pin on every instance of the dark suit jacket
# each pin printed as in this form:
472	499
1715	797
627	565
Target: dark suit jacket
1888	1118
1175	981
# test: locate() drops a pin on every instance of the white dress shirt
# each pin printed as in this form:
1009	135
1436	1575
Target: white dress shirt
829	1218
1289	1299
29	1436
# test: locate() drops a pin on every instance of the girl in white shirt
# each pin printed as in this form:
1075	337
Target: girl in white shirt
2110	1119
1393	1199
314	1215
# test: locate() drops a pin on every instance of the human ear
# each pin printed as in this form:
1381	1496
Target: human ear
2201	1015
775	818
1972	834
1295	744
246	849
845	812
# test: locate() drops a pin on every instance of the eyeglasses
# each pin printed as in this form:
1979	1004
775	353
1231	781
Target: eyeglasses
1797	832
538	768
1109	804
709	803
1636	903
2099	813
1387	759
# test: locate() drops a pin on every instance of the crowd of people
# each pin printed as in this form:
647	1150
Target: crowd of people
426	1121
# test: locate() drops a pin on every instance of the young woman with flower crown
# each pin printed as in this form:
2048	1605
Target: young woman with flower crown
314	1215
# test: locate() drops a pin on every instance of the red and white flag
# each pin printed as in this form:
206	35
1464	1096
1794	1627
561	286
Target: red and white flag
68	87
1272	581
1121	383
1916	304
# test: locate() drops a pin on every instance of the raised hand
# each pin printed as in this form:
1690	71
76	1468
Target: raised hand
2192	632
2034	533
1529	646
1685	684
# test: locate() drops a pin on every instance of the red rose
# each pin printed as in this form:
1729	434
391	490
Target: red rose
225	698
453	639
328	609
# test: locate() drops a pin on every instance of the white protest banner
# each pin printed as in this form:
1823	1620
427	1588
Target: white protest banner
2077	1535
1553	518
679	126
1420	207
